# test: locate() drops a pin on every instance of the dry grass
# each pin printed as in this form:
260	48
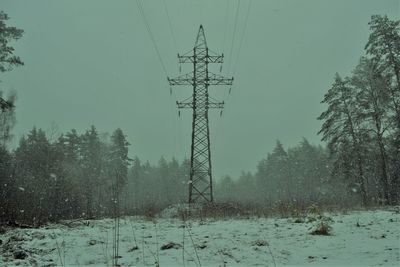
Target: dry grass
322	228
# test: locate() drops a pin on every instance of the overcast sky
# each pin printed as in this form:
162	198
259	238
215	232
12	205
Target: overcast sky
92	63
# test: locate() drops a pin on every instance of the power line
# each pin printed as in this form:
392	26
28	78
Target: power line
170	25
172	92
141	11
226	23
242	38
241	41
233	36
147	25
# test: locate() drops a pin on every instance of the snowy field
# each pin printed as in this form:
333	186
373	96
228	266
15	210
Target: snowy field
358	238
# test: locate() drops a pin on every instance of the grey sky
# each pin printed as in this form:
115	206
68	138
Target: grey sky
92	62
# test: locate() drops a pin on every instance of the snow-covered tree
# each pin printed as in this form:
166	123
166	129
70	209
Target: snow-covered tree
373	99
340	126
91	163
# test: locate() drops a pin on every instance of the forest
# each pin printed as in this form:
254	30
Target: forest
50	177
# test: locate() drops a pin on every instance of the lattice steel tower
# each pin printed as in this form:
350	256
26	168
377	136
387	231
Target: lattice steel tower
200	183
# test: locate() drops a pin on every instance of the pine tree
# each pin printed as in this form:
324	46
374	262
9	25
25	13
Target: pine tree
245	188
225	189
34	176
273	175
7	119
118	165
7	187
174	182
340	125
308	171
8	34
91	165
136	183
384	48
373	99
8	61
118	157
70	144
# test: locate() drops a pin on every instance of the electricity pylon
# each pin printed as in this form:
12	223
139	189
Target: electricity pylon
200	183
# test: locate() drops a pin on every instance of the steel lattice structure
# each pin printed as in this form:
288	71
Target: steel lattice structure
200	183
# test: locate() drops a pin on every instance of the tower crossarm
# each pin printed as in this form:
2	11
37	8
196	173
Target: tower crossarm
219	105
210	79
185	79
215	79
216	104
209	58
184	104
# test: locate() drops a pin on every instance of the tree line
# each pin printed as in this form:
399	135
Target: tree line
87	175
362	122
361	127
77	175
296	176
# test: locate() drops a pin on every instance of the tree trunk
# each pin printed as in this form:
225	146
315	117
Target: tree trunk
364	197
385	180
361	181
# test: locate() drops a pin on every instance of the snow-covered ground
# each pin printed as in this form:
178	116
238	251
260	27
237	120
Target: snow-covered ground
358	238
